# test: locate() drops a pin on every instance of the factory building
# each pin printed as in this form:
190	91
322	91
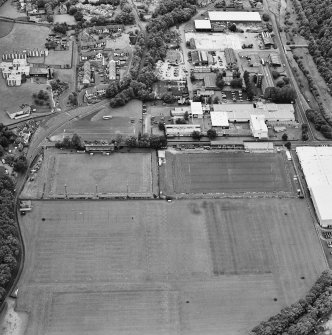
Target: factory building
203	25
271	112
258	126
245	17
316	163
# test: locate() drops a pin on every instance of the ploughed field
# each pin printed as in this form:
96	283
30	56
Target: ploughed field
153	267
228	172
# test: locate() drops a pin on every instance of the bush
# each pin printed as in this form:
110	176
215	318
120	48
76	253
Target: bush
212	133
266	17
196	135
20	164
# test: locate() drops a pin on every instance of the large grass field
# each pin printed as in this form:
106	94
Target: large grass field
94	127
5	28
24	37
85	175
153	267
227	172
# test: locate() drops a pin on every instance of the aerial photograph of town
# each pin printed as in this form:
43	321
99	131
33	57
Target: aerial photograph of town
224	226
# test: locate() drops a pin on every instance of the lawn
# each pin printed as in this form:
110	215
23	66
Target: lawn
24	37
64	18
149	267
9	9
224	173
94	127
59	57
84	175
13	97
5	28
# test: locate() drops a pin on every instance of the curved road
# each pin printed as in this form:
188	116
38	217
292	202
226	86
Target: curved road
48	127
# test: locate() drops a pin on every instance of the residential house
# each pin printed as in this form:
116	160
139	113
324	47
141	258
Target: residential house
86	73
112	70
63	8
98	91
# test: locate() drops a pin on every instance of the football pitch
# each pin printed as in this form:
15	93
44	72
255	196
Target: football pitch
81	175
153	267
229	172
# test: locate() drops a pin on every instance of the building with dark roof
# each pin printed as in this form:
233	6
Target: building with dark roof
230	56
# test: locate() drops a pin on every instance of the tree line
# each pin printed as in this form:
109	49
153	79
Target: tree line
315	25
302	317
320	124
9	242
151	49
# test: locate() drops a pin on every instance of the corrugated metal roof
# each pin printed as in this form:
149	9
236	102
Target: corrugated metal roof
235	16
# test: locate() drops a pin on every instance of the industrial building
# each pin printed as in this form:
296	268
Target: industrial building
275	59
258	126
203	25
234	16
316	163
267	39
173	130
271	112
196	109
199	58
258	147
219	119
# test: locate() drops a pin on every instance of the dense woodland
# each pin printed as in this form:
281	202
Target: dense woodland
315	24
303	316
9	242
151	49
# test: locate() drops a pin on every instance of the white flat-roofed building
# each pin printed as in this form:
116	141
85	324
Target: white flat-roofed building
258	126
14	79
316	163
112	70
196	109
272	112
259	146
222	16
201	25
219	119
181	129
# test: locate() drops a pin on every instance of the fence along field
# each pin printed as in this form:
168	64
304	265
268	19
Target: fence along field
224	173
164	254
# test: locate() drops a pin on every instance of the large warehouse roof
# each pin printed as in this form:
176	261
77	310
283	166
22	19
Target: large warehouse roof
272	112
203	24
235	16
316	163
219	119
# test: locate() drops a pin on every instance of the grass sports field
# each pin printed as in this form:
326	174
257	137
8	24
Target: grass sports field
228	172
153	267
84	175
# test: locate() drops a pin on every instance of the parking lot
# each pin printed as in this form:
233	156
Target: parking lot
166	71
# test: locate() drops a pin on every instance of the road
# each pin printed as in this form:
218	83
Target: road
48	127
300	103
